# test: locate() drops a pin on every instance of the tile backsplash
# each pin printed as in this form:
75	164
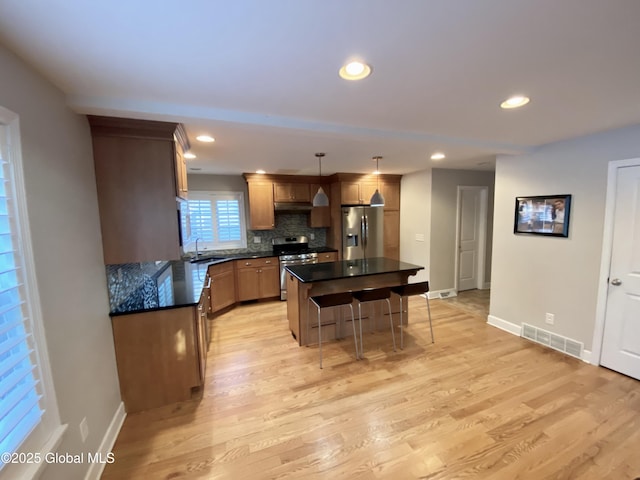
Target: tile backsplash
287	225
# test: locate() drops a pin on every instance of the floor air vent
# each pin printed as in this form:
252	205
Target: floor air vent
555	341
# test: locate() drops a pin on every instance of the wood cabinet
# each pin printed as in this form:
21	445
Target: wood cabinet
181	171
137	180
357	192
327	257
223	286
320	217
161	356
257	278
202	335
261	213
391	234
291	192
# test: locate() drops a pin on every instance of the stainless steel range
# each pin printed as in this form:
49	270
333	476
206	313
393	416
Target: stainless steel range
292	251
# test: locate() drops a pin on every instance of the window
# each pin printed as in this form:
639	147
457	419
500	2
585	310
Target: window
29	419
217	220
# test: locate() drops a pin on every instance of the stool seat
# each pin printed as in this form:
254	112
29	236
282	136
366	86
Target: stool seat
411	289
332	300
373	294
408	290
327	301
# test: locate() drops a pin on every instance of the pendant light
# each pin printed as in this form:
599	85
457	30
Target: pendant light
377	200
320	199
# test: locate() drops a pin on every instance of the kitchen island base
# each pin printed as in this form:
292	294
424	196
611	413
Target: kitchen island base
336	322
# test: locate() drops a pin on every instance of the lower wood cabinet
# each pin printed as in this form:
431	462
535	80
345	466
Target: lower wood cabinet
223	286
327	257
161	356
257	278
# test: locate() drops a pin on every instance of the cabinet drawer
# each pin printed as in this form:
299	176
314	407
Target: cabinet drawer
328	257
256	262
220	268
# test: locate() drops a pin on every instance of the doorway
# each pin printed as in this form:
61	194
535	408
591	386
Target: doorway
471	234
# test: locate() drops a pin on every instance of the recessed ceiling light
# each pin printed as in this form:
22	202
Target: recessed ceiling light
205	138
189	155
355	71
260	172
195	169
515	102
438	156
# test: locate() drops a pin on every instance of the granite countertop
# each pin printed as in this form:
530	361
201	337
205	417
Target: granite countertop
138	288
320	272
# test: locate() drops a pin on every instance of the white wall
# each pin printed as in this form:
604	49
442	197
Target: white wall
67	246
415	219
533	275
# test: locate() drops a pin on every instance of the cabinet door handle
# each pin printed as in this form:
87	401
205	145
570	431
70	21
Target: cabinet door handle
268	261
248	264
208	283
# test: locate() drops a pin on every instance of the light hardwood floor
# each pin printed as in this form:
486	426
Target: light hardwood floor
478	404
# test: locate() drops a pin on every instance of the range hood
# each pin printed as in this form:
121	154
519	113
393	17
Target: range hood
293	207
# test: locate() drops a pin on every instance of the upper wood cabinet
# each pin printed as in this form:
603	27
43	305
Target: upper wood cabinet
358	189
180	137
137	179
291	192
261	214
320	217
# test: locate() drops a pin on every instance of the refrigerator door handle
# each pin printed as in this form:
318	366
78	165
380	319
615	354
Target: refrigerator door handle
366	232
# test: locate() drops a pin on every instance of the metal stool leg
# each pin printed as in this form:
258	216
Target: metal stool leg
401	327
355	336
393	335
360	322
429	313
319	336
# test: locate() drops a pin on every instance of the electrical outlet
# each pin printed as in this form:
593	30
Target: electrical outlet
312	236
257	239
550	318
419	237
84	429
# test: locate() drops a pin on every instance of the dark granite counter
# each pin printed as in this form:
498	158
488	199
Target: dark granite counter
328	271
143	287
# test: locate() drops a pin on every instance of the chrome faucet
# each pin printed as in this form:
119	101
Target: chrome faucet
197	251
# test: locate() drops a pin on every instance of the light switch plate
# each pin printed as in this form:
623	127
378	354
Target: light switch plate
419	237
257	239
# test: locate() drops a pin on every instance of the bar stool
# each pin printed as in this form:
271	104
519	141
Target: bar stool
332	300
373	295
406	291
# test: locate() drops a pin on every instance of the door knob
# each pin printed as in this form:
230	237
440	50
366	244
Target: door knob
616	282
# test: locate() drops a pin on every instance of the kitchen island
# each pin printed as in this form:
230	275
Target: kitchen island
304	281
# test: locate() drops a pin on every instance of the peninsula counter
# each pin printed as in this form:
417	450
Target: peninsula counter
304	281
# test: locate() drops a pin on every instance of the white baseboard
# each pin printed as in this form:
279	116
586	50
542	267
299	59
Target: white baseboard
446	293
587	357
486	286
504	325
106	446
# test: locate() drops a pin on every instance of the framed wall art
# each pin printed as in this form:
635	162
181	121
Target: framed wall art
543	215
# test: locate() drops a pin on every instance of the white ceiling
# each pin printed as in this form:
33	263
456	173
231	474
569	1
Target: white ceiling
262	75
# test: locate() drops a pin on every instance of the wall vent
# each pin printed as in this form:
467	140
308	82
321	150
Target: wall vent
553	340
445	294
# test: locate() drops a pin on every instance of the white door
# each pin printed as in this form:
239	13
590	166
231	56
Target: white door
469	238
621	339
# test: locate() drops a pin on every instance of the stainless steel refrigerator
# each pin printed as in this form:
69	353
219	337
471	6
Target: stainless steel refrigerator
362	235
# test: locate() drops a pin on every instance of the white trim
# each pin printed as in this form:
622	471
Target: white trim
482	234
106	446
504	325
486	286
587	356
605	259
49	431
449	293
